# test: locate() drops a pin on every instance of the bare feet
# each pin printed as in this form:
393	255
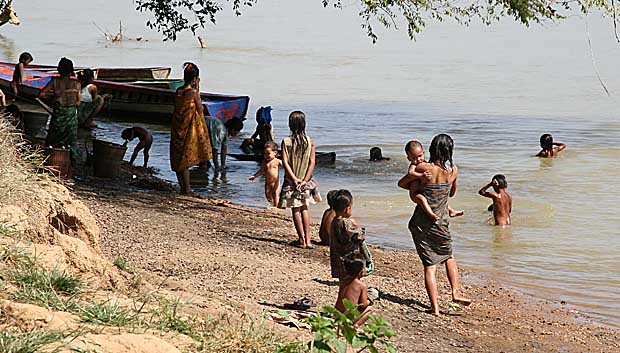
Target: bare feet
461	300
455	213
432	312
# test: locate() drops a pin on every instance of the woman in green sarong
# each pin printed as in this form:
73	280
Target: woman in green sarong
66	91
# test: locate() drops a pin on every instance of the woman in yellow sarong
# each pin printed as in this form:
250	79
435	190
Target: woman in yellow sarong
189	136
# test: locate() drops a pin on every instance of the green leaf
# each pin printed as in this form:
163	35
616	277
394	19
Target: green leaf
388	346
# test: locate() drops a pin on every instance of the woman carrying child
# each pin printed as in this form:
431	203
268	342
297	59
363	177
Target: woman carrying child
190	144
432	239
299	189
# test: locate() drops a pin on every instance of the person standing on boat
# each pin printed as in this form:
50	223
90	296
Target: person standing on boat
66	91
91	101
190	144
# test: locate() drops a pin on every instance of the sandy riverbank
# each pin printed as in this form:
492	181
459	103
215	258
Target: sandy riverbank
241	256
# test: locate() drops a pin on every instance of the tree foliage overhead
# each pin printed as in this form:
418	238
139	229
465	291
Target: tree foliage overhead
171	17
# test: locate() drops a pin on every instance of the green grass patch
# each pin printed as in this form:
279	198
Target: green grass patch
108	313
18	341
122	264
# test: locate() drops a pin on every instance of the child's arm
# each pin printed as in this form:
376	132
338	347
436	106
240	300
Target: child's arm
20	78
260	172
560	146
490	194
311	164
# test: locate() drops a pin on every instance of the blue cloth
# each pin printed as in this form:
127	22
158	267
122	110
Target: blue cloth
263	116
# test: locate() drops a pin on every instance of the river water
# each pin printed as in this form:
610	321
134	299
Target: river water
494	90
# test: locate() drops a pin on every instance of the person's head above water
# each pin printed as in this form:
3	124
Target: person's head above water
65	67
441	150
297	122
415	152
190	72
546	142
499	182
377	155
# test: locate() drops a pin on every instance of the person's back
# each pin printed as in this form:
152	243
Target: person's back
549	147
502	205
353	291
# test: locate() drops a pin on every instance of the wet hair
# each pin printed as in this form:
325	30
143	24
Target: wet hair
25	56
411	145
546	141
376	154
441	150
127	134
271	145
65	67
354	263
342	200
331	195
501	181
86	76
190	72
234	124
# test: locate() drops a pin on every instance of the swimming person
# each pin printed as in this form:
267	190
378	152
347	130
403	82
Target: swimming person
91	101
433	240
271	168
190	144
66	90
146	141
415	155
18	73
376	155
299	188
549	148
502	201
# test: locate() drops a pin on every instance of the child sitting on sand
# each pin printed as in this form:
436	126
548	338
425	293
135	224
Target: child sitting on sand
353	289
415	155
146	140
502	201
548	149
326	221
18	73
271	168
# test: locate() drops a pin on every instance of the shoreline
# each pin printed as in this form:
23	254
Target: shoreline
214	248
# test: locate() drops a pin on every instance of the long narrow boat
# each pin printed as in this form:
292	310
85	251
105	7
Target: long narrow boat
152	99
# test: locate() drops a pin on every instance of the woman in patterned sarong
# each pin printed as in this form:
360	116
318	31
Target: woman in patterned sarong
64	124
189	136
433	240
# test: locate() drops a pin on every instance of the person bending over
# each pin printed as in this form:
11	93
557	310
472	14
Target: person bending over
146	140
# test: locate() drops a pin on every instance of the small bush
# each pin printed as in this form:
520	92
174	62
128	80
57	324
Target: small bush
108	313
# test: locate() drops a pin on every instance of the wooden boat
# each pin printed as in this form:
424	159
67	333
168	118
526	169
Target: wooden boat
324	158
152	100
132	74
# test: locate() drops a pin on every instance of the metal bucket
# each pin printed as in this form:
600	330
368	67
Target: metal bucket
58	161
35	124
107	158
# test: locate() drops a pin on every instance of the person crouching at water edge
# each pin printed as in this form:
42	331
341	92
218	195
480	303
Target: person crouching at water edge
271	168
432	239
219	132
145	138
190	144
299	188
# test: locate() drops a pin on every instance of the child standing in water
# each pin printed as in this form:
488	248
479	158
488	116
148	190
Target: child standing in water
326	221
18	73
271	168
415	155
549	148
502	201
353	289
299	188
146	141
